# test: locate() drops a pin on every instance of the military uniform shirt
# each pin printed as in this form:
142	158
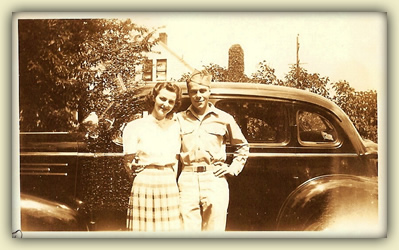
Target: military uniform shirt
204	140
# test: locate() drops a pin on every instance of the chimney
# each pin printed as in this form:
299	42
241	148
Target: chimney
164	38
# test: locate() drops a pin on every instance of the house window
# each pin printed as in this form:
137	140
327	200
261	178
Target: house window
147	70
161	70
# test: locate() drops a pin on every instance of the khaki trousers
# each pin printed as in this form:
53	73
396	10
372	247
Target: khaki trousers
204	200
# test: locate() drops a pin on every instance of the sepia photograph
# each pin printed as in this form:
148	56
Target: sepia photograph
199	125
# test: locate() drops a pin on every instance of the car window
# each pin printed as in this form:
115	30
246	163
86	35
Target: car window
314	128
260	121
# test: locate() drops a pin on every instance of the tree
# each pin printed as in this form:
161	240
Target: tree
299	78
235	71
265	75
184	77
360	106
70	65
219	74
86	65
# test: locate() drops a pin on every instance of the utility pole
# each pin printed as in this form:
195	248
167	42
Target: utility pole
298	62
297	59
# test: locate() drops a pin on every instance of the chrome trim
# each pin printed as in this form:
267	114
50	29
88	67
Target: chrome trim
57	174
48	154
44	133
35	169
45	164
301	155
101	154
69	154
266	155
268	144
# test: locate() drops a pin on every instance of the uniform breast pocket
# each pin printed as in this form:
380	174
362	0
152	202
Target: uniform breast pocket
187	133
216	130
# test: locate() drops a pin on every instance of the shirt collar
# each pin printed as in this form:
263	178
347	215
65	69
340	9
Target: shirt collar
212	109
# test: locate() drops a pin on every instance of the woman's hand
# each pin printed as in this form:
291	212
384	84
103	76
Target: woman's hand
136	168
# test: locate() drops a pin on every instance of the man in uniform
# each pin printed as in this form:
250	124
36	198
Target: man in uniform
205	130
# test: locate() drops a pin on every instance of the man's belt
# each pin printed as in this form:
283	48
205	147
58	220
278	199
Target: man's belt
200	168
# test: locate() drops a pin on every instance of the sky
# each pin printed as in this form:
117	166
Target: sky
340	45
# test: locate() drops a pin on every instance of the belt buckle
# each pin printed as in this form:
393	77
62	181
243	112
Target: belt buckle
200	169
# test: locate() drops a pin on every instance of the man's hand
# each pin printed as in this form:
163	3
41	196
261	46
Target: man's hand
223	170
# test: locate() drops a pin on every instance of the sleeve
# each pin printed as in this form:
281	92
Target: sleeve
130	138
238	140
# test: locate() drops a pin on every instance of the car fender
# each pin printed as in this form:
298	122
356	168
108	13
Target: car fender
331	203
39	214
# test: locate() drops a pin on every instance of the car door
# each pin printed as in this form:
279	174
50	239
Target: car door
266	125
324	144
290	143
48	165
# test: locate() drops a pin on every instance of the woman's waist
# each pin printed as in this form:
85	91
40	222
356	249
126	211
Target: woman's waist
159	167
141	167
148	158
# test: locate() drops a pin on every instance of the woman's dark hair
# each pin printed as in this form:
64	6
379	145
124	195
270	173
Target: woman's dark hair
150	98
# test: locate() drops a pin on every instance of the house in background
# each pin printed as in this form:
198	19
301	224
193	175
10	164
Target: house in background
163	64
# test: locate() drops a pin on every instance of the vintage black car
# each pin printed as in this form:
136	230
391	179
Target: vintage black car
295	138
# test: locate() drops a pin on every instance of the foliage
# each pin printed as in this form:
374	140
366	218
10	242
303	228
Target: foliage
66	65
184	77
235	71
105	184
219	74
299	78
87	65
360	106
265	75
84	65
125	108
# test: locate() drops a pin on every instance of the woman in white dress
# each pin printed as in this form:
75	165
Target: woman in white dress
151	146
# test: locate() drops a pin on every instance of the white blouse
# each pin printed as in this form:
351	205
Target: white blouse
154	142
